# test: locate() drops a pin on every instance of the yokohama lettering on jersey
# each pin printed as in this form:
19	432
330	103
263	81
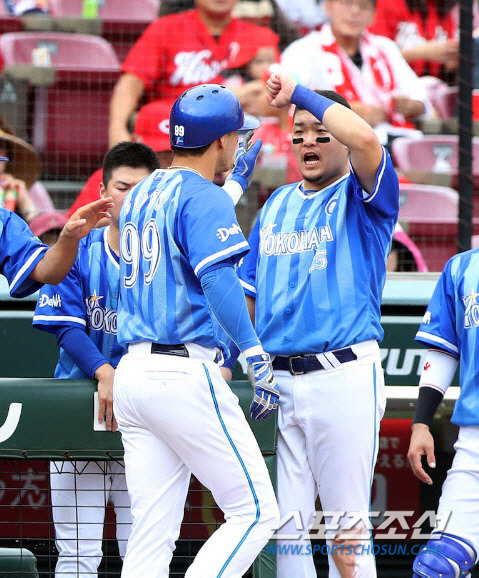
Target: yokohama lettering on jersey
177	51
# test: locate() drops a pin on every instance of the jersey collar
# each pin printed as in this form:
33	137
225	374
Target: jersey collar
300	192
111	255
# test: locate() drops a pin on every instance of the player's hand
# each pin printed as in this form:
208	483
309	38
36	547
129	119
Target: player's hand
105	374
266	393
226	373
86	218
421	444
245	161
280	88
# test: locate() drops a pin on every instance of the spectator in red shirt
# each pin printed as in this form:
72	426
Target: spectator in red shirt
426	32
181	50
152	129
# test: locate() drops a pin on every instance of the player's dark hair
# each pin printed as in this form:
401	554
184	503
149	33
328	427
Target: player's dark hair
332	95
129	154
181	151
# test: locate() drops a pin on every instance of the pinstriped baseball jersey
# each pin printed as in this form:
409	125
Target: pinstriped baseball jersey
451	323
310	255
20	252
86	298
174	225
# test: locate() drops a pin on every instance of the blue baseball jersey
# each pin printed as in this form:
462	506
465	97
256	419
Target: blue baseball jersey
20	252
451	323
174	225
317	264
87	298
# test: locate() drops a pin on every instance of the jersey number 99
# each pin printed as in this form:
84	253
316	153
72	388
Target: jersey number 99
135	248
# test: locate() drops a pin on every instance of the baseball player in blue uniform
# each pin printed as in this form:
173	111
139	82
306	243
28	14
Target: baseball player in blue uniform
449	329
314	278
27	263
82	312
179	243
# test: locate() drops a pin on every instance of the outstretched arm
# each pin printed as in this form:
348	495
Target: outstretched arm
344	125
59	259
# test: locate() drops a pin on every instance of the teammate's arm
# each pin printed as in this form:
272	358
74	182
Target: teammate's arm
124	101
225	297
437	375
59	259
89	359
346	126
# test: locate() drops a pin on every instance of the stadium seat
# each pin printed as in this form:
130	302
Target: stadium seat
444	98
429	215
128	10
70	117
431	153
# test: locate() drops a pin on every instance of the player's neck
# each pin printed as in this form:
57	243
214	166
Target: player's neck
202	165
113	238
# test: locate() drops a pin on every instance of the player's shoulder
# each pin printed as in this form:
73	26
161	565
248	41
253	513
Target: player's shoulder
457	263
96	238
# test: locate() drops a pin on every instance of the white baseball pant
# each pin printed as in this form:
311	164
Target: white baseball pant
178	416
460	491
328	425
80	492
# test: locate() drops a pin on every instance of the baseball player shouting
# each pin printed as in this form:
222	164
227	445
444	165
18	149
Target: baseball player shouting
449	328
179	242
314	277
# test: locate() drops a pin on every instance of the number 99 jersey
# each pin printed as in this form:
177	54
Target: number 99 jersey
174	225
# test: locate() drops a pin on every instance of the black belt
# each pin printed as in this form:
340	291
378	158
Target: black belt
300	364
179	350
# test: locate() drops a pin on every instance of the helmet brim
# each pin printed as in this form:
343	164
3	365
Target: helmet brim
250	122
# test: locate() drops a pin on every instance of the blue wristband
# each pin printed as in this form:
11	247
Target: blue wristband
311	101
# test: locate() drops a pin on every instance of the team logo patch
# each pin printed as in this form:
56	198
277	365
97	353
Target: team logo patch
224	233
471	313
331	206
53	301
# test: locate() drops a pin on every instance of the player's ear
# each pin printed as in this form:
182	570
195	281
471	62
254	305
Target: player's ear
222	142
102	190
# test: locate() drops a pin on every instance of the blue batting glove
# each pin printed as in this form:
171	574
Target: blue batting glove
266	393
245	161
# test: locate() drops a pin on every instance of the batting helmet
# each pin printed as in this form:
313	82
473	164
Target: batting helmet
204	113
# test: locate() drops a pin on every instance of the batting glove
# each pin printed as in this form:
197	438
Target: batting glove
245	161
266	393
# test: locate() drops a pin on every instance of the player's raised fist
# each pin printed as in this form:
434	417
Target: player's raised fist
280	88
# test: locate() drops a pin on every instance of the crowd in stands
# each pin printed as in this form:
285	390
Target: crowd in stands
382	56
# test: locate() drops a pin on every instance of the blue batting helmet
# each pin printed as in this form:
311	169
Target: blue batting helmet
205	113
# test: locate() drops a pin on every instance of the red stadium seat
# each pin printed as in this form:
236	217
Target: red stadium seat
123	21
70	118
429	215
433	153
128	10
444	99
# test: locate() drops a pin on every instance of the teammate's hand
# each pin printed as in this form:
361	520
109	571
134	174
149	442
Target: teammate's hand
280	88
245	161
266	393
421	444
105	375
86	218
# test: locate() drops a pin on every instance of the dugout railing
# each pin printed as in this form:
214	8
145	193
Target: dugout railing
48	419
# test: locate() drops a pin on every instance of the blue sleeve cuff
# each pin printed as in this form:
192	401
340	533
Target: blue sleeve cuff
81	349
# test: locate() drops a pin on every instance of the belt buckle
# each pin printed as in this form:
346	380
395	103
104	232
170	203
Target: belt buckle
290	365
